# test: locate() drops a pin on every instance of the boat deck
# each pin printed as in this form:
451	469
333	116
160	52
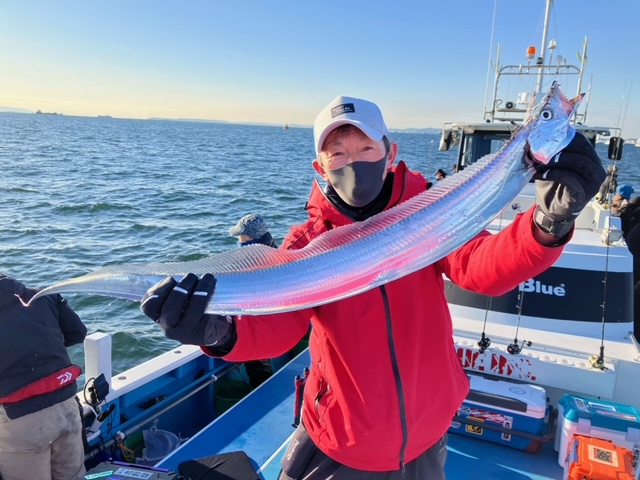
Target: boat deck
260	425
471	459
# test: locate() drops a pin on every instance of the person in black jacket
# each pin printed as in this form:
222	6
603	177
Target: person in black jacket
628	209
40	423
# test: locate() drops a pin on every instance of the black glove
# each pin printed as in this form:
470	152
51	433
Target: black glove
179	310
565	186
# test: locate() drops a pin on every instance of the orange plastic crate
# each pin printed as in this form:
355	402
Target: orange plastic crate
597	459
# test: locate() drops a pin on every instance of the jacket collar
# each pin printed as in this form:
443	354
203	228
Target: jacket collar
406	184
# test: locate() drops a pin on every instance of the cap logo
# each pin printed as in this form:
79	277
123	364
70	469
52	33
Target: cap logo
342	109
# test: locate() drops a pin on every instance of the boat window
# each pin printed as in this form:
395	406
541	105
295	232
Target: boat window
477	145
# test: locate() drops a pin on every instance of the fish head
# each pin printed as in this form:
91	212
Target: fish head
548	124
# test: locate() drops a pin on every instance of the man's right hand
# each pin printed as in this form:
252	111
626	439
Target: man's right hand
179	309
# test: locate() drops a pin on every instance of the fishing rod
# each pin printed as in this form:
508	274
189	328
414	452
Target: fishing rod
597	361
485	342
515	348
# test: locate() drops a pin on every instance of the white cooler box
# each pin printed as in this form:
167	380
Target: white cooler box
521	408
595	418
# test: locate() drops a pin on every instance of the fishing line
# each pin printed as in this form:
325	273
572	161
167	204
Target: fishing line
624	106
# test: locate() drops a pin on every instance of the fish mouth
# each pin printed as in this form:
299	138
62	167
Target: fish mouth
528	159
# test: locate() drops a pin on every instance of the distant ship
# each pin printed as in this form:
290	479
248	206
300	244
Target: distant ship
105	116
286	126
39	112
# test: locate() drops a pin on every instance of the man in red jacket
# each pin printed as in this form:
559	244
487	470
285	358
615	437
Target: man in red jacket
374	405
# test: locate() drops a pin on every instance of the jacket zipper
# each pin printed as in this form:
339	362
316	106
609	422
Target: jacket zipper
322	391
398	381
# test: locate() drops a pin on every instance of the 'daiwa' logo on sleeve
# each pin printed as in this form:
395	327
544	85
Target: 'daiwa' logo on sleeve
536	286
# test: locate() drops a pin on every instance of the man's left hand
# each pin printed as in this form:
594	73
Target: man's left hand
565	186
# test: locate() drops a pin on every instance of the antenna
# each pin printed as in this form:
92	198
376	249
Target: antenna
493	27
583	61
545	34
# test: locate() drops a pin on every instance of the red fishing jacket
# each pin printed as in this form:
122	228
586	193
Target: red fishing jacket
385	380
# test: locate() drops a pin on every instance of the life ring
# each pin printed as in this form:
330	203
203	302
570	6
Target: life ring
509	105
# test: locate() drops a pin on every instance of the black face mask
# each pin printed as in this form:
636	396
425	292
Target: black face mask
358	183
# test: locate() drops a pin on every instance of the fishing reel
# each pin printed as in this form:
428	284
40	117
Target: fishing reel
597	361
515	349
484	343
98	389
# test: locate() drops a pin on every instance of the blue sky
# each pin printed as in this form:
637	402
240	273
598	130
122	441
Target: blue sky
281	61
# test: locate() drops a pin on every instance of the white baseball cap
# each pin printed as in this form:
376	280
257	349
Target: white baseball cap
349	110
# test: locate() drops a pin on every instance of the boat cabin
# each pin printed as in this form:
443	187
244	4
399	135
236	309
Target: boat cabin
476	140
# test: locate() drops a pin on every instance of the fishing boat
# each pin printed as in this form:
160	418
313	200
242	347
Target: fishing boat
564	336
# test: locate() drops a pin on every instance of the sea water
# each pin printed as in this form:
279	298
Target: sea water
79	193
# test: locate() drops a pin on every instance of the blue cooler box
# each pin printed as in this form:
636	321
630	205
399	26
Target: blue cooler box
595	418
512	406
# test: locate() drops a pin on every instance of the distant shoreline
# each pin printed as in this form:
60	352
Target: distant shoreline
432	131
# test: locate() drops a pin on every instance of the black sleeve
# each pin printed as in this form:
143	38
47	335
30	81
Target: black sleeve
72	328
633	241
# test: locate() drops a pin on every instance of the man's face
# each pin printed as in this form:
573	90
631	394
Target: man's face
346	145
354	164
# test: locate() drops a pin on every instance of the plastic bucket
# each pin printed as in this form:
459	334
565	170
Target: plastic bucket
158	444
228	393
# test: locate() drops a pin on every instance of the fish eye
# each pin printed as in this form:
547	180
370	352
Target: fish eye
546	114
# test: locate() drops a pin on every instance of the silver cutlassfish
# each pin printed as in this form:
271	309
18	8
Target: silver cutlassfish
352	259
